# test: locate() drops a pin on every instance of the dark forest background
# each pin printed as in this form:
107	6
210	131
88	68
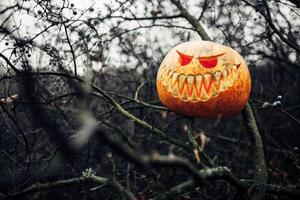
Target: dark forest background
81	119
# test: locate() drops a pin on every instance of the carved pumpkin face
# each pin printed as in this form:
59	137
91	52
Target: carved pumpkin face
203	79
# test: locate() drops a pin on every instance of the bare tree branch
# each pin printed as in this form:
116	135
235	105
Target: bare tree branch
260	166
193	21
293	45
69	182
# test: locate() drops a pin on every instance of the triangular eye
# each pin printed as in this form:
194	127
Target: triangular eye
184	59
209	62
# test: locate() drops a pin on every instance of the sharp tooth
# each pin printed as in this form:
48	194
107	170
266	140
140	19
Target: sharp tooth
169	85
230	77
228	71
162	73
190	82
184	95
165	78
199	82
163	70
234	75
169	75
161	76
203	95
207	79
217	76
230	82
165	83
174	78
175	91
225	74
234	67
194	95
213	91
222	86
181	79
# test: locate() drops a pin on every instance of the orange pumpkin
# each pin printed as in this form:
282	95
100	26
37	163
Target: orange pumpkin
203	79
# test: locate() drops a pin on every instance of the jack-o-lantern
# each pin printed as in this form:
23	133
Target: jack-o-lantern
203	79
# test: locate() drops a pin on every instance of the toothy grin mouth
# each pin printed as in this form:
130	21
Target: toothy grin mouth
200	87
